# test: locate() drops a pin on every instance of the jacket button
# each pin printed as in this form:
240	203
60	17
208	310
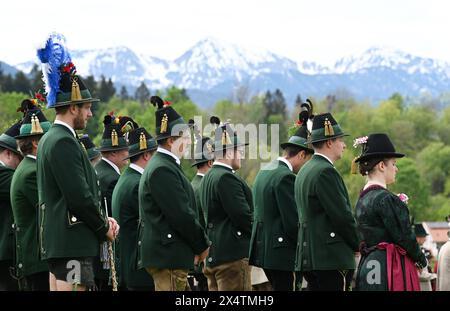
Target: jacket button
169	236
43	207
280	239
20	265
332	234
139	243
239	233
209	243
305	244
210	259
210	225
73	219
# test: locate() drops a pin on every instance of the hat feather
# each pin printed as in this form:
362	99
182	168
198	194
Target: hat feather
52	56
157	101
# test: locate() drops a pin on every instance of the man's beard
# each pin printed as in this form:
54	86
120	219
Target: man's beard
78	122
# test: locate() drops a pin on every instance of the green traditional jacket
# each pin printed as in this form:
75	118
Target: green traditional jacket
196	182
170	234
275	223
327	238
108	177
228	205
383	217
125	209
6	217
71	222
24	203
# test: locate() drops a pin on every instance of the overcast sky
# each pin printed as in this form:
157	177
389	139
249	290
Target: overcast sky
312	30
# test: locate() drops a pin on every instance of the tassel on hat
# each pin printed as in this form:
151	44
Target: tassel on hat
226	138
35	125
76	93
114	138
142	141
329	131
164	122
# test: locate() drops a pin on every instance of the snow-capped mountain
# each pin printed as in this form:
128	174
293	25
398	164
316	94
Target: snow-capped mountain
377	57
212	69
211	62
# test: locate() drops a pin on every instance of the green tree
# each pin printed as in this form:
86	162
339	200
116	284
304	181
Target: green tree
410	182
124	93
142	94
21	83
106	89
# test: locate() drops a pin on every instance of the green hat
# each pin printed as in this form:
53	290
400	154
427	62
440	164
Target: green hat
301	136
140	141
87	143
204	151
299	139
7	139
226	138
168	122
34	124
325	127
62	84
113	138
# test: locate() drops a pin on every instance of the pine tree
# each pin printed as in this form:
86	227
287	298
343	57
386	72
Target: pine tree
36	79
91	84
298	101
142	93
123	93
106	90
21	83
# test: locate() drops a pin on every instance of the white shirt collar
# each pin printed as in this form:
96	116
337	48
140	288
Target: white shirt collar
112	164
1	162
224	165
137	168
165	151
201	174
31	156
66	125
322	155
286	162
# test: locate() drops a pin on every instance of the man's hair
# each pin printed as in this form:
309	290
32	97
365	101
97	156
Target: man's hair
162	142
201	165
26	145
320	144
2	149
136	158
292	151
63	109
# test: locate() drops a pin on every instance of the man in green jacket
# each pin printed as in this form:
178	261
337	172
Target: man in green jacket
71	222
228	205
114	150
203	161
327	239
125	208
31	271
10	158
275	225
171	239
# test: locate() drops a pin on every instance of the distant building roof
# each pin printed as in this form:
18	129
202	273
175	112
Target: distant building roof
438	231
438	225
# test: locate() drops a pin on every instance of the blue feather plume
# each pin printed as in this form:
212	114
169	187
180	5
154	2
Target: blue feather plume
52	56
